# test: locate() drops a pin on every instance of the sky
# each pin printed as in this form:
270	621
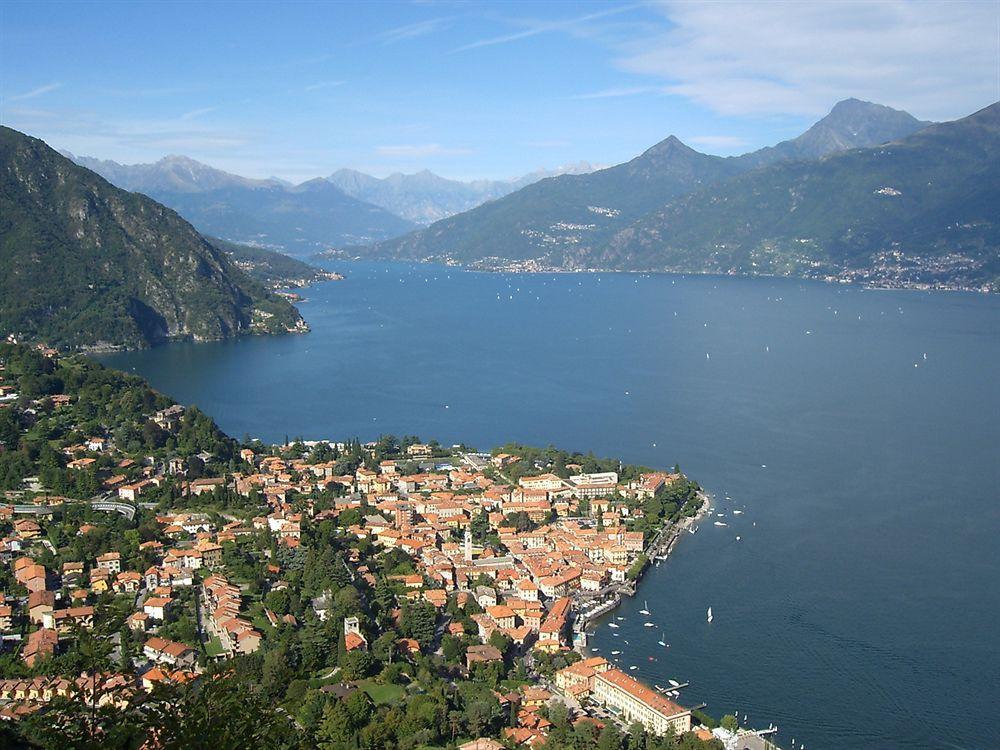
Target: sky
472	90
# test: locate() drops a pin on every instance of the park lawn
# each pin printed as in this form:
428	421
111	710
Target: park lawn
214	647
383	695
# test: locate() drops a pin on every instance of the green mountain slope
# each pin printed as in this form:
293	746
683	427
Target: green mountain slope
560	221
559	215
921	210
851	123
274	270
83	263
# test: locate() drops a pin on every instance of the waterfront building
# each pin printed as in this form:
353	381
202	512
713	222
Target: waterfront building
637	702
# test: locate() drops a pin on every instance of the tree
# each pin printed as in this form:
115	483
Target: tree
276	673
418	621
335	731
356	665
220	711
558	713
359	708
384	647
730	723
609	738
480	526
453	649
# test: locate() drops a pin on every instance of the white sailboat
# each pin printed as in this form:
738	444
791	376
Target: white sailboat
645	608
710	618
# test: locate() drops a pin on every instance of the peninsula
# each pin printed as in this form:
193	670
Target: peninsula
376	592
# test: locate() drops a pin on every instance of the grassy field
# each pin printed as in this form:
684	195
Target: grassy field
214	647
382	695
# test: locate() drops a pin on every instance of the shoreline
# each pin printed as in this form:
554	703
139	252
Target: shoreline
834	280
658	550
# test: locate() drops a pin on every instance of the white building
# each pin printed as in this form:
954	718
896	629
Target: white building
636	702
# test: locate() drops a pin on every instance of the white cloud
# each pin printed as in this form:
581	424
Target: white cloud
938	60
413	30
616	92
35	92
319	85
534	28
195	113
418	151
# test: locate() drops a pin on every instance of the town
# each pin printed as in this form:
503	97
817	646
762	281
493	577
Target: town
445	591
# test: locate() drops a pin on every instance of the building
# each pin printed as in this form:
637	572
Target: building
482	655
110	561
162	651
637	702
41	644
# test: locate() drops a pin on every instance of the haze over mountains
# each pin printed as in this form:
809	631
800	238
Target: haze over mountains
867	193
424	197
298	219
83	263
347	208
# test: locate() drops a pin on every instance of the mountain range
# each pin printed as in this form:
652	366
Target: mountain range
299	219
86	264
835	201
919	210
424	197
574	211
346	208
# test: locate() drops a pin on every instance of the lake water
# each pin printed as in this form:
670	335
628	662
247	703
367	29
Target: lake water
860	608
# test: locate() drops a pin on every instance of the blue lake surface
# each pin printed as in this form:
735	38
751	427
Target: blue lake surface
861	608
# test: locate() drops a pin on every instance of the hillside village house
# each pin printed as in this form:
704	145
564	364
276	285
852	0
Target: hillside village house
171	653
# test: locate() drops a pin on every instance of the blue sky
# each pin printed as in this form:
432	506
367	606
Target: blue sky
299	89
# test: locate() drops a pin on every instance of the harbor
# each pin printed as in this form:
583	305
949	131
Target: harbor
593	612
